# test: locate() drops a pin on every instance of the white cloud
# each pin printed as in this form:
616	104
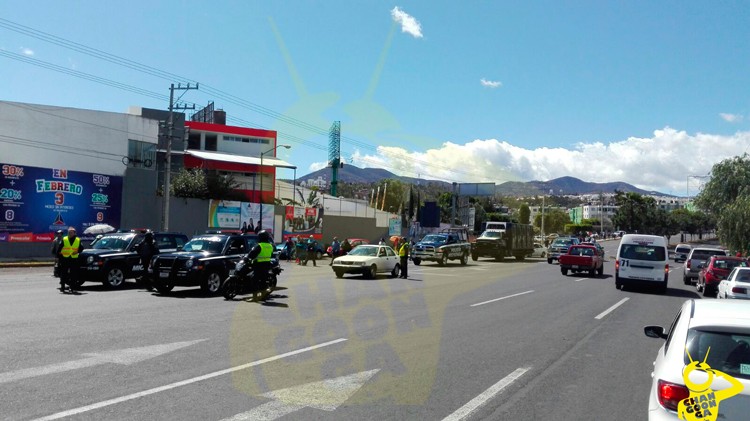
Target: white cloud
315	166
660	162
731	118
490	83
27	51
408	23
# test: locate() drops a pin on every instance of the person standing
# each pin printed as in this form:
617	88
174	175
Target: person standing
335	249
403	254
346	247
289	248
312	247
55	246
301	250
146	250
70	247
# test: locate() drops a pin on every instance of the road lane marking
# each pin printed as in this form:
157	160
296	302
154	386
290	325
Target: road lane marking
154	390
127	356
502	298
473	405
609	310
326	395
580	279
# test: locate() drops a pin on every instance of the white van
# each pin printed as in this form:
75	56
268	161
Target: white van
642	260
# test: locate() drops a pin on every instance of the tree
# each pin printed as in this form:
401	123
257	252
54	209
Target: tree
197	183
734	224
729	178
395	194
524	213
636	212
554	220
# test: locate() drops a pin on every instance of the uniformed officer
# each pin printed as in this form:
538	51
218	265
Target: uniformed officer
403	254
68	256
260	255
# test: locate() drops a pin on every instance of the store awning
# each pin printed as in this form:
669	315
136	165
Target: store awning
239	159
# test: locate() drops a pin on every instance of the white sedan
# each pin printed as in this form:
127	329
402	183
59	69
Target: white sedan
369	260
737	284
539	251
706	356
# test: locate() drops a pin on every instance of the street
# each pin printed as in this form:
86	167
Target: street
490	340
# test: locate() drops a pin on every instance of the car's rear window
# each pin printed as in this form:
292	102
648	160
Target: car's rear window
705	254
727	352
682	250
728	264
643	252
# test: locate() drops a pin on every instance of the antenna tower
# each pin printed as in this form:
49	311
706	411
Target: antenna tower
334	155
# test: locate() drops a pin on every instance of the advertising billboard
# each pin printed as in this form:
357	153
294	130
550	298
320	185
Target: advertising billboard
35	202
227	214
303	222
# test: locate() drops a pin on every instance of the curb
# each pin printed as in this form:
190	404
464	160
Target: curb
25	264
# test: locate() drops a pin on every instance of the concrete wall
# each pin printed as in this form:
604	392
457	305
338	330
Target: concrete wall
352	227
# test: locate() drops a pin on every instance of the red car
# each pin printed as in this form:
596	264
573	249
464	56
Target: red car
714	271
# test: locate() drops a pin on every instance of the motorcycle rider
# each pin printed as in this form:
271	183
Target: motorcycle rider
260	256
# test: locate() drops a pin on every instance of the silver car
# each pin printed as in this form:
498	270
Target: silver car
696	260
705	359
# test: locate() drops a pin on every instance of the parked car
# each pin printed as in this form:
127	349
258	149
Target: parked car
368	260
681	252
724	327
113	258
698	256
353	241
204	261
717	268
539	251
736	285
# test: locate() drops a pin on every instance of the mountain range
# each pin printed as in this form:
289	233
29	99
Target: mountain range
558	186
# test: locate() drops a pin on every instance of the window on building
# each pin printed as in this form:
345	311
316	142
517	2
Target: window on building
211	140
140	154
194	141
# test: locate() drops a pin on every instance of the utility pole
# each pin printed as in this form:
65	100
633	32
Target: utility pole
170	131
453	205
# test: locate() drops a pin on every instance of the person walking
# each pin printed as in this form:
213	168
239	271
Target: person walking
55	246
346	247
335	249
312	247
289	249
301	250
68	251
146	250
403	254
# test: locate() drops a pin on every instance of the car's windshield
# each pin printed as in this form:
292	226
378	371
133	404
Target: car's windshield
491	234
112	243
643	252
434	238
729	351
207	244
562	242
364	251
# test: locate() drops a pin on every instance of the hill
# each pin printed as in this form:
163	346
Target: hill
562	185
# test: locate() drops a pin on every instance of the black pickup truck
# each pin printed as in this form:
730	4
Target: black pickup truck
112	258
205	261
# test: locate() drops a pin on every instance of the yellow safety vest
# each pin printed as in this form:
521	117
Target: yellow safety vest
266	252
403	251
68	250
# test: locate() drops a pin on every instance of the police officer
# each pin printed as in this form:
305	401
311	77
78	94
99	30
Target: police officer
260	255
55	249
312	251
68	251
403	254
146	250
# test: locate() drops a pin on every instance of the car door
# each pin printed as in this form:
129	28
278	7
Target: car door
392	258
133	266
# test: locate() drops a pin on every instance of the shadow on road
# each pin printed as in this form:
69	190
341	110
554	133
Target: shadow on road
671	292
184	293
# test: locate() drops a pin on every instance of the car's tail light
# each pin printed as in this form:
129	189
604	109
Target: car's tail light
670	394
666	268
688	264
617	265
739	290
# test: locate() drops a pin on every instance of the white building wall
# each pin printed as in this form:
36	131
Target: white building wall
74	139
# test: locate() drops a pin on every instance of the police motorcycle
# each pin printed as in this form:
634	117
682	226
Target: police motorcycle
243	280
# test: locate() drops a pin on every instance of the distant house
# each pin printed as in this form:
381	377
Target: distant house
319	182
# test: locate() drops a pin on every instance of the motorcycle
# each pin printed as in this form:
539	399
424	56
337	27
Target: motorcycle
243	281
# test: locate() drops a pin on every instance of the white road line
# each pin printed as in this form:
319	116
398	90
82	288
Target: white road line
137	395
465	411
502	298
609	310
580	279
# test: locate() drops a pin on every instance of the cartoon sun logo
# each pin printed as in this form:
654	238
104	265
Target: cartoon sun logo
703	403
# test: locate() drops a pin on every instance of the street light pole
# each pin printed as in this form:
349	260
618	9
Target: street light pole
260	216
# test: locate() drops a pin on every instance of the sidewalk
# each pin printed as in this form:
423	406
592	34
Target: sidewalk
25	262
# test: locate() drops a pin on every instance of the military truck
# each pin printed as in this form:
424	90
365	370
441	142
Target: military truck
448	244
515	240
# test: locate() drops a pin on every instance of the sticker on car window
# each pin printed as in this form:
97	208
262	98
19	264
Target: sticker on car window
745	369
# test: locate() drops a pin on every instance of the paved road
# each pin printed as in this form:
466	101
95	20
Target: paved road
491	340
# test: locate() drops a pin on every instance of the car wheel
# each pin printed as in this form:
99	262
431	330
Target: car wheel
600	271
114	278
212	283
396	270
339	273
663	288
373	272
707	291
520	257
549	261
544	254
618	284
564	271
685	280
698	286
474	256
417	261
319	255
441	259
464	259
592	272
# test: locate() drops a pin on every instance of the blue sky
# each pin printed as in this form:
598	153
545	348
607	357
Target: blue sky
640	91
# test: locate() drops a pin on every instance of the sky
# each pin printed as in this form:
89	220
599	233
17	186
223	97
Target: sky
649	93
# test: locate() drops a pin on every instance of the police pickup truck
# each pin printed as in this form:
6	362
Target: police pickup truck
450	244
113	258
205	261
